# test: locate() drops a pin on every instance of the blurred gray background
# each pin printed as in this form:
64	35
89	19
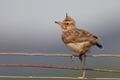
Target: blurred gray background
28	26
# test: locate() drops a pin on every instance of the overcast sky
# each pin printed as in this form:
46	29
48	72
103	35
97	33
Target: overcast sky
28	25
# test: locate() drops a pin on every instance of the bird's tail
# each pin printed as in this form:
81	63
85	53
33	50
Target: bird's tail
99	45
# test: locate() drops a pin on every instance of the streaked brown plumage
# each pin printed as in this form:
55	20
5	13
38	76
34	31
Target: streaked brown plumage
78	40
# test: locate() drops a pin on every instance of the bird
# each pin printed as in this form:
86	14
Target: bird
78	40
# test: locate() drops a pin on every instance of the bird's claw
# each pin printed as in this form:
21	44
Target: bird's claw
72	57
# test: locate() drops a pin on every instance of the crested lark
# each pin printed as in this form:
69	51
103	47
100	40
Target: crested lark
78	40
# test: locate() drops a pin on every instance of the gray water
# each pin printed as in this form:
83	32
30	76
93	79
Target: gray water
99	62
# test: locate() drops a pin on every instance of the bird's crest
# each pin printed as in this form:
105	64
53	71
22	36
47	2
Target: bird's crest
68	18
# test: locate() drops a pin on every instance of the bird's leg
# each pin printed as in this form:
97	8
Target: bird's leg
84	66
72	56
84	60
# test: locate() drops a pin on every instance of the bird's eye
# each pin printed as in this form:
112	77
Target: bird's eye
67	23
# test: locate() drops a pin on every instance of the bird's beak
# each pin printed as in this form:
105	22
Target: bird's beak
57	22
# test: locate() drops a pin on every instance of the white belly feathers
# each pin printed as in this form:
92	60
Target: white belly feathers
79	47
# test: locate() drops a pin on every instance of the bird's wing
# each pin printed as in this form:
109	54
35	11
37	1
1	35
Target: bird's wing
86	36
79	35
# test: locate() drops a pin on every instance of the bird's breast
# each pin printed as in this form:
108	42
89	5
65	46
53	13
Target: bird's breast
82	47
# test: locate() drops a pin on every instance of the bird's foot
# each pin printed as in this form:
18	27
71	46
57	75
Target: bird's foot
72	57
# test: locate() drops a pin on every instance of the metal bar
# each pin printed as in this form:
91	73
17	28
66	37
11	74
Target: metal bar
59	67
57	54
56	77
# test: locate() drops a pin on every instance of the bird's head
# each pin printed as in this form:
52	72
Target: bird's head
67	24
